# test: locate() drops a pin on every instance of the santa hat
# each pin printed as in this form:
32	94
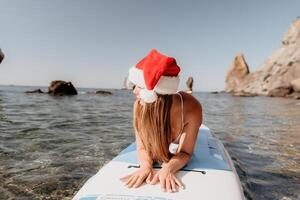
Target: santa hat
156	73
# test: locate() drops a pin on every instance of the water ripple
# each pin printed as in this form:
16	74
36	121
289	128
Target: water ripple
49	146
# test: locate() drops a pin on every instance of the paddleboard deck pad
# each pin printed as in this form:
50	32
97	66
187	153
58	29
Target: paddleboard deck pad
209	175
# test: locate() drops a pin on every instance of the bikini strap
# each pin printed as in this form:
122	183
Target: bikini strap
182	122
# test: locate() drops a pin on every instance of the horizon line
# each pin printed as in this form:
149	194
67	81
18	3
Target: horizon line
89	87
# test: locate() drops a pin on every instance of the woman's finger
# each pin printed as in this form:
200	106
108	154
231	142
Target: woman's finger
132	182
125	178
129	179
179	183
168	185
155	180
148	179
174	186
163	184
138	182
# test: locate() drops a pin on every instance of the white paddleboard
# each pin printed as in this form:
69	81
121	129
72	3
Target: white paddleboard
209	175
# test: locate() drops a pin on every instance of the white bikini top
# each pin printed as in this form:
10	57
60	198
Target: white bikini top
173	147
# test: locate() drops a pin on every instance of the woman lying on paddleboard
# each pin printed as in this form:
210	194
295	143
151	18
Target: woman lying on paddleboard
166	122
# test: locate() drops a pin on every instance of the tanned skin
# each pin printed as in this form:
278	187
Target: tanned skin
166	176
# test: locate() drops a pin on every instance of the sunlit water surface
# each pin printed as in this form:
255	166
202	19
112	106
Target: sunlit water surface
49	146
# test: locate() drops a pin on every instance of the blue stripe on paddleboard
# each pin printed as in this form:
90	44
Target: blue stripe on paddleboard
123	197
88	198
208	154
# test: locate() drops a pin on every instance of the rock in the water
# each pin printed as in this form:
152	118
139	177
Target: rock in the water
103	92
276	75
236	74
243	94
59	87
39	91
280	91
189	84
295	95
1	56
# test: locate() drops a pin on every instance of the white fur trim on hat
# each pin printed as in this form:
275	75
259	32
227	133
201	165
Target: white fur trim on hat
165	85
136	76
149	96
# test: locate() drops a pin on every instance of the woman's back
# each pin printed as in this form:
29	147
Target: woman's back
182	112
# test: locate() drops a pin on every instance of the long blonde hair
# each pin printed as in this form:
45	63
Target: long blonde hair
152	123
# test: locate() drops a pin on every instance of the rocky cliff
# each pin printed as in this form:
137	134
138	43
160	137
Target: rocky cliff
279	75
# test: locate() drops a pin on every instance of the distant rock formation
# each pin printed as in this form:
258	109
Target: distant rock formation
244	94
236	73
39	91
103	92
127	85
59	87
278	76
189	84
1	56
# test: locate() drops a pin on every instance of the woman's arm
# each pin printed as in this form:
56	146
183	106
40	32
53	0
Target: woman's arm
145	172
186	145
143	157
166	176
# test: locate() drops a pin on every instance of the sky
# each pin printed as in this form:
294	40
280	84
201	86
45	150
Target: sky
94	43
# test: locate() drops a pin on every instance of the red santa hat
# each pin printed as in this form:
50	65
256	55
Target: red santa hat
156	73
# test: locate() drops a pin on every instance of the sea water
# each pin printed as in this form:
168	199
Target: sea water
50	145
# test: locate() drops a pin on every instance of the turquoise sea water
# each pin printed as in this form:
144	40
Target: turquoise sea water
49	146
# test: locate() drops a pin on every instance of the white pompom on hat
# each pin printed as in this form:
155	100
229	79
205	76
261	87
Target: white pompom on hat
156	73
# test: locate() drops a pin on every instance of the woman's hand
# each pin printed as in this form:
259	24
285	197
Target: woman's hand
138	177
167	179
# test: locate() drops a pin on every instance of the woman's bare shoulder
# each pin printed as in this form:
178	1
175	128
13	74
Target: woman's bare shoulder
190	101
192	106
